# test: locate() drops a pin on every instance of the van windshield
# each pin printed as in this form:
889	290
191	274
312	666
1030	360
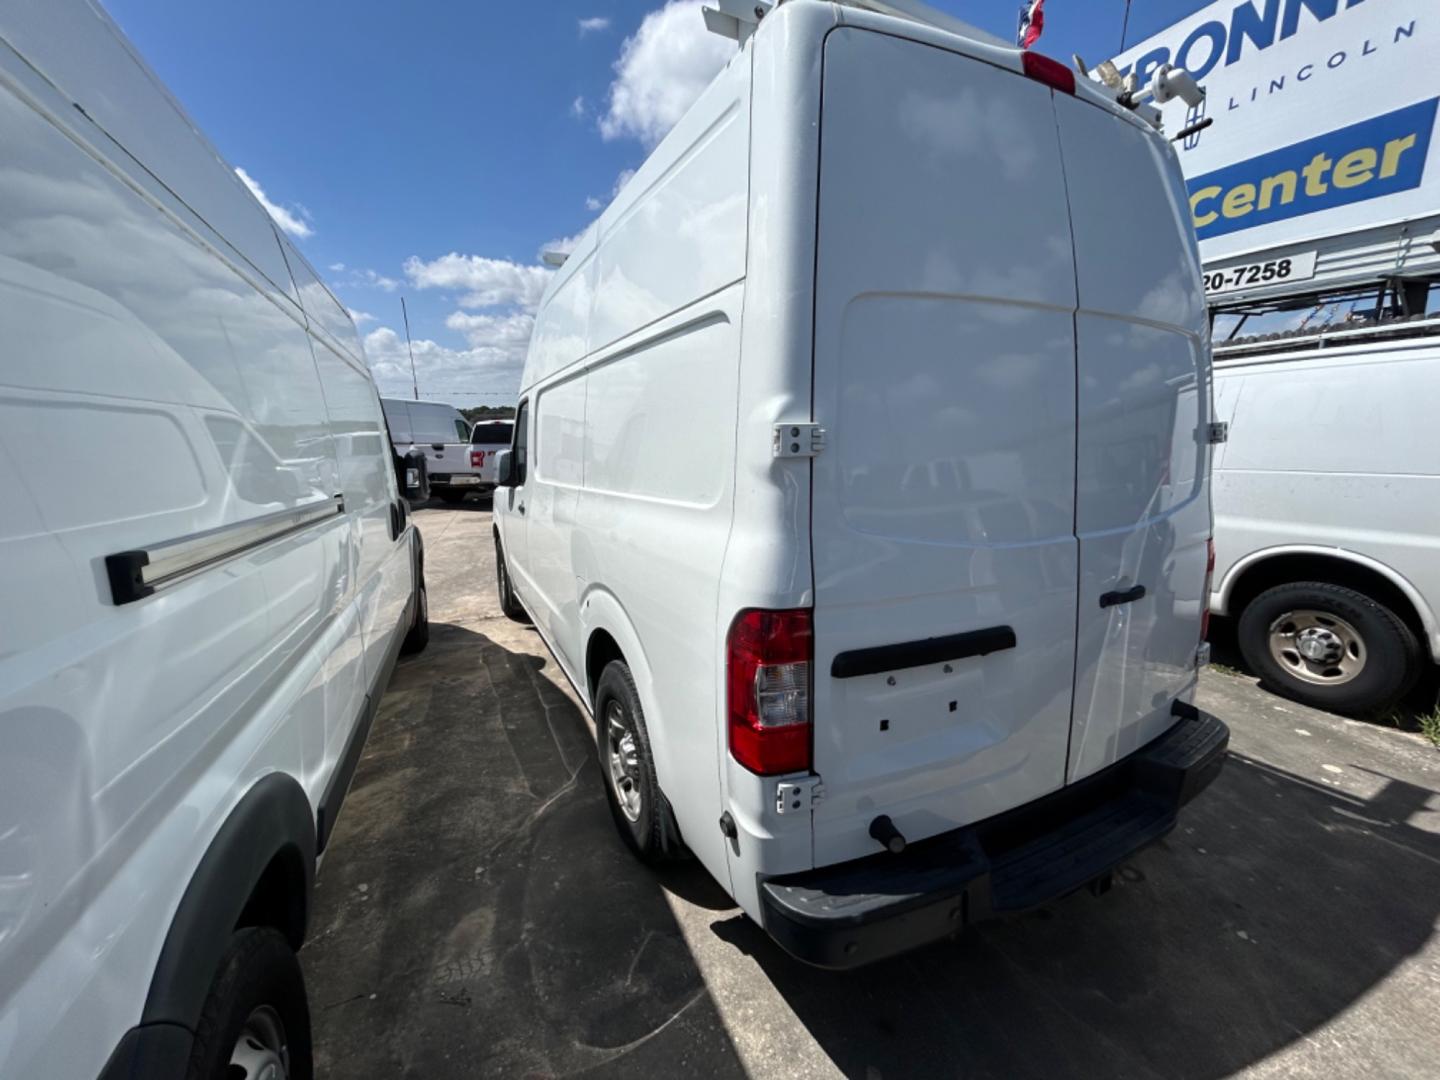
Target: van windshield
491	434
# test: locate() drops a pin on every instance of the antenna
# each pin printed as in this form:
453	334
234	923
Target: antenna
415	385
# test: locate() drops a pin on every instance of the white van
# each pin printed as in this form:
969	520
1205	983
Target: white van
860	483
204	592
442	434
1327	502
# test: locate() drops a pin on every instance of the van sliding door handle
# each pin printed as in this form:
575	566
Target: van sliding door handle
1123	596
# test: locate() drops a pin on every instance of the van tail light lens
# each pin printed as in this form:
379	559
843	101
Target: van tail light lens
477	458
768	659
1052	73
1205	595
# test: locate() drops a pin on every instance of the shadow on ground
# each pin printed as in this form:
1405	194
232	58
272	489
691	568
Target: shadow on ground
477	914
1275	906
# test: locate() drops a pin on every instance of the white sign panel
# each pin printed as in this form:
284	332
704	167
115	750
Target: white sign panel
1324	117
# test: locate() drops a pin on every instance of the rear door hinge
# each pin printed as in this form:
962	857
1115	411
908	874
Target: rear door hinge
1217	432
797	440
798	796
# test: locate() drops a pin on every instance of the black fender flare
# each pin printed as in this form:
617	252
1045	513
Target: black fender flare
273	818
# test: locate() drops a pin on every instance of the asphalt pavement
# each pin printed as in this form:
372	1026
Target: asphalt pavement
477	915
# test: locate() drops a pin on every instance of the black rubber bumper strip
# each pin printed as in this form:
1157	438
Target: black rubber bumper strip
880	905
910	654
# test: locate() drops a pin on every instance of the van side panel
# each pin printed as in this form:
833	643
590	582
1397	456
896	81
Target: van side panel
183	387
944	500
78	49
1337	452
629	494
1142	500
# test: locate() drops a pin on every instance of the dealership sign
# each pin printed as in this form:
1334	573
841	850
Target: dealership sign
1323	112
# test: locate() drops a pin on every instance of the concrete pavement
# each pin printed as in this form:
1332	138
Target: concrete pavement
478	916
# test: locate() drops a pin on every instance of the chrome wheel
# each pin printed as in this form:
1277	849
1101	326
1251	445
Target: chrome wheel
624	756
1317	647
260	1052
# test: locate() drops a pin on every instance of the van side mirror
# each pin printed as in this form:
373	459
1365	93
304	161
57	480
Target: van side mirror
413	475
504	471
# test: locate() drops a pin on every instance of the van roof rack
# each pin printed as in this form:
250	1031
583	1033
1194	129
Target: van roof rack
737	19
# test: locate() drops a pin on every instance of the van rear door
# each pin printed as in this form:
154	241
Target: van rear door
1142	485
943	506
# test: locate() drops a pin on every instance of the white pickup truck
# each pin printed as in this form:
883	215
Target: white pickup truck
442	434
487	439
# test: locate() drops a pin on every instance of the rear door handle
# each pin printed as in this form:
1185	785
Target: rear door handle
1122	596
521	508
438	446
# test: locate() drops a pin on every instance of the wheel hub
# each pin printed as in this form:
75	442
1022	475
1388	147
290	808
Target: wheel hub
260	1052
1317	647
623	752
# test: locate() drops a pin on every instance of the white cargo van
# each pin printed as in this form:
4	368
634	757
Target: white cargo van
203	593
860	482
442	434
1327	495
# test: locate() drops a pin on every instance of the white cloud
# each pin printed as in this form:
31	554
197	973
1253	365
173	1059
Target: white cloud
337	268
485	282
493	364
507	332
293	220
662	69
577	108
591	25
360	317
592	203
378	281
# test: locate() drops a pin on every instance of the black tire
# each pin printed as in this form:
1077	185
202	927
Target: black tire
1390	650
259	971
647	831
509	602
453	497
418	636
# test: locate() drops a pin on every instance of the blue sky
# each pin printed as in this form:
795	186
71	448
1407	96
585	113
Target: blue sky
391	137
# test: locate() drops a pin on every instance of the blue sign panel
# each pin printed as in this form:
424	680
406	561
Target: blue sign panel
1375	157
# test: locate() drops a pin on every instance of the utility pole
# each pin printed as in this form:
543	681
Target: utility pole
414	383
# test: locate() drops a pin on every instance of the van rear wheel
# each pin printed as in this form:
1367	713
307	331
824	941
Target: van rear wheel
1329	647
255	1022
641	813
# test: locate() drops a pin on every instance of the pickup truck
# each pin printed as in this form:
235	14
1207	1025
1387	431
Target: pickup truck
487	439
442	434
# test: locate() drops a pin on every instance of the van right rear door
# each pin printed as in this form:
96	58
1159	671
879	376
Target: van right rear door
943	506
1144	409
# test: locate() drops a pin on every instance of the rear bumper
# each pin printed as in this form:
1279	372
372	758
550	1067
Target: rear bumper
468	481
857	912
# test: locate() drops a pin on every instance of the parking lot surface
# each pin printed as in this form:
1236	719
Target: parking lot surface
477	915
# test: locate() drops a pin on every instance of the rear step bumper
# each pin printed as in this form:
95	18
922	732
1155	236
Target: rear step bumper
857	912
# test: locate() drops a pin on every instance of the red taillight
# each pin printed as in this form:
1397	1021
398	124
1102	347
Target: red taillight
1205	596
767	661
1050	72
477	458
